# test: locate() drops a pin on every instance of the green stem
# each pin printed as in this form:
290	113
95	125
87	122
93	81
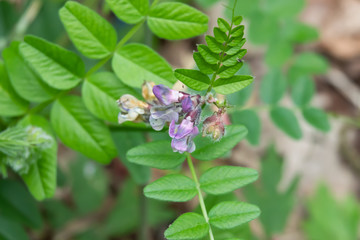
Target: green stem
126	38
201	199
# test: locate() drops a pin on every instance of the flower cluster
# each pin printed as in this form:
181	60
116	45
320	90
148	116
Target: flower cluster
178	109
30	146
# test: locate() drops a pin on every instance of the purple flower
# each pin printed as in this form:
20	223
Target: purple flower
183	129
186	143
183	134
165	95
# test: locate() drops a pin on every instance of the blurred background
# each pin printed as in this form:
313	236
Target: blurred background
308	188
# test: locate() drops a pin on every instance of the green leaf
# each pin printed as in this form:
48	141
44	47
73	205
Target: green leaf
317	118
124	141
238	31
157	154
233	84
176	21
11	230
24	80
100	92
135	63
311	63
303	90
235	41
214	45
329	218
299	32
92	35
129	11
279	51
251	121
193	78
223	25
18	205
238	19
203	66
207	54
187	226
272	87
230	214
271	200
207	149
174	187
125	216
228	72
225	179
264	24
80	130
234	59
58	67
235	49
286	120
11	104
219	35
41	178
89	184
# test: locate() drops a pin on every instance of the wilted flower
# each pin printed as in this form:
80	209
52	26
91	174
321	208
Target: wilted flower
147	91
131	108
213	126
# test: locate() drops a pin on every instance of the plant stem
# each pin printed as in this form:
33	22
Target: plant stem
201	199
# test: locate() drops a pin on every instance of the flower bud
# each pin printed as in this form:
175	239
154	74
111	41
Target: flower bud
214	127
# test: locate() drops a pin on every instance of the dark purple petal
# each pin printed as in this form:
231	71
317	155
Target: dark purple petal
186	104
165	95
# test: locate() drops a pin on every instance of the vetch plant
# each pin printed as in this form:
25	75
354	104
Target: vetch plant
220	58
39	97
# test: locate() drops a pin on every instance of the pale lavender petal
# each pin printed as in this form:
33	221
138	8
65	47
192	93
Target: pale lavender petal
166	113
179	145
191	148
172	129
185	128
165	95
156	124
